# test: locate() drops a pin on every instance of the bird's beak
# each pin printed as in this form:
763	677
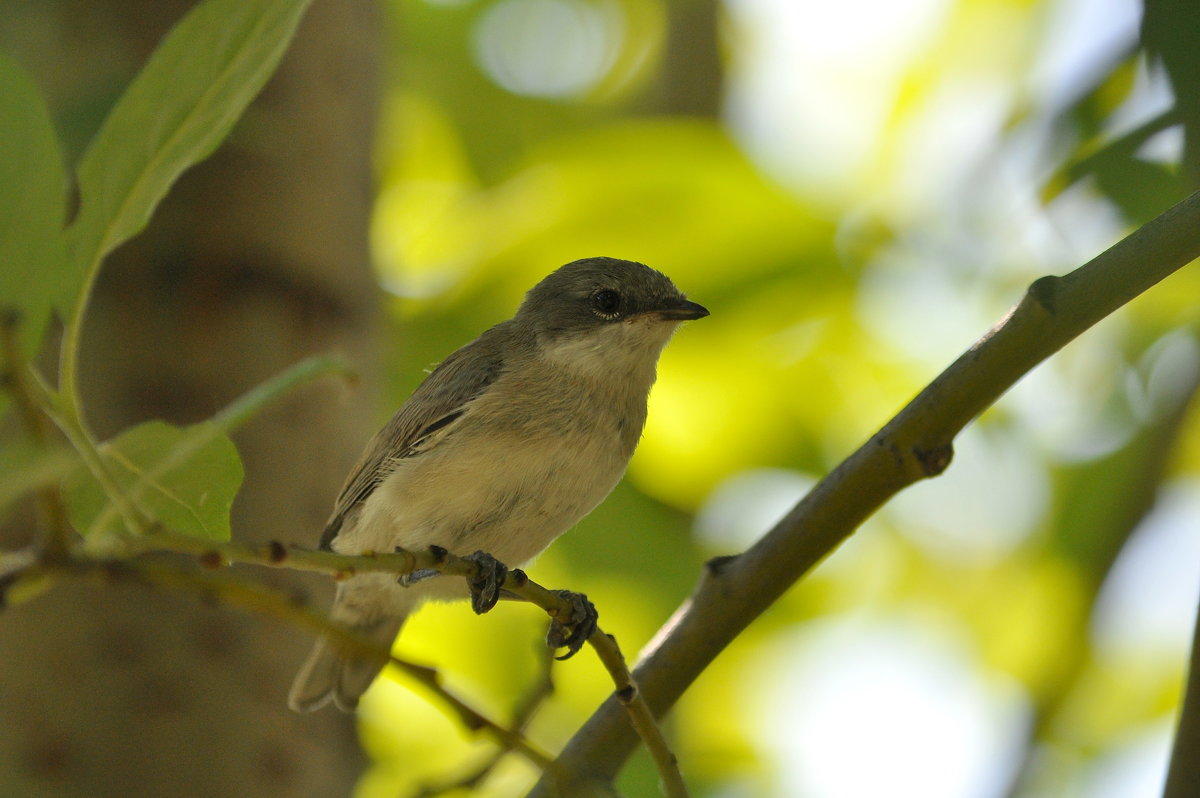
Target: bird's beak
681	310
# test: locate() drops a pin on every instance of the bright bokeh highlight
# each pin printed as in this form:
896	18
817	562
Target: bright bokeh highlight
881	182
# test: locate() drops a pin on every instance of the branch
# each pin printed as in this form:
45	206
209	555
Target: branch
231	590
526	708
914	445
342	566
1183	776
641	718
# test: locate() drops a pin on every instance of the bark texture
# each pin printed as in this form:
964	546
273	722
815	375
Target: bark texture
257	259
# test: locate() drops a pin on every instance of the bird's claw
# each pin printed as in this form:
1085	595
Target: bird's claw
408	580
571	630
485	585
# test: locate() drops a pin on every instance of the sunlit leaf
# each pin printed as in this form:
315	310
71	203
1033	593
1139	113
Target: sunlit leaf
1141	189
176	112
186	478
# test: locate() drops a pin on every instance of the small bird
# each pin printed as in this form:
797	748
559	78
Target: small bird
509	441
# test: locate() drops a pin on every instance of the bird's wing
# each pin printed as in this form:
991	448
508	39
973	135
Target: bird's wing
421	422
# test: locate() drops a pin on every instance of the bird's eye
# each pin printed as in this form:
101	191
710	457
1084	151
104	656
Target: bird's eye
606	303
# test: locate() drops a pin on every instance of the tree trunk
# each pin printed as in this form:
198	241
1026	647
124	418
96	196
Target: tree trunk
257	259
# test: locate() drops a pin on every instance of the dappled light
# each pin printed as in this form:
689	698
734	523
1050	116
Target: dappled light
869	202
858	192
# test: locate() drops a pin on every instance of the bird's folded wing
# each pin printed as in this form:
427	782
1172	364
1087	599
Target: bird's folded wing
422	422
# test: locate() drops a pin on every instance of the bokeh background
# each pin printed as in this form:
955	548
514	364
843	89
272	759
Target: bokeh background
857	190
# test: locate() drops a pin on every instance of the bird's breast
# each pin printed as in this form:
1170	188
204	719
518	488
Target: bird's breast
517	470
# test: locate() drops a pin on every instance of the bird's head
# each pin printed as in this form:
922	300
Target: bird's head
597	313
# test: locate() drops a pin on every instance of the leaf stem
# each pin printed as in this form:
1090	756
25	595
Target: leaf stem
226	420
89	451
55	531
70	405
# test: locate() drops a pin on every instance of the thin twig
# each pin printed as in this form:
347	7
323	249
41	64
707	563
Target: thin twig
627	692
234	591
49	402
1183	776
400	562
639	713
523	713
228	419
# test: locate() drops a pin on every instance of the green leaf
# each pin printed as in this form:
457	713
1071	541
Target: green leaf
27	468
176	111
1141	189
185	478
32	206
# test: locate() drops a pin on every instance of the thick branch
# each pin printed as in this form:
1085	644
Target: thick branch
1183	775
914	445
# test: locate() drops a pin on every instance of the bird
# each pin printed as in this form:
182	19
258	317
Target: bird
503	447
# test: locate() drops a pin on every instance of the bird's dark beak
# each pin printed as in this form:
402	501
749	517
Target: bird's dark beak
681	310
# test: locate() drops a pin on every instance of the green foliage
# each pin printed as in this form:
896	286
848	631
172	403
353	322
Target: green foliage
185	478
816	305
27	468
32	206
829	312
175	112
1169	34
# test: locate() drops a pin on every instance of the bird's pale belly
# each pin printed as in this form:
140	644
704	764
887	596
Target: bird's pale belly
508	498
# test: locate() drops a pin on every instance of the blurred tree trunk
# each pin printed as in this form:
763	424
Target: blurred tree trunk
689	81
257	259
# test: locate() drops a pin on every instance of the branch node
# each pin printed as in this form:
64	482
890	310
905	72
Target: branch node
934	460
717	565
212	560
626	694
1044	291
276	552
439	554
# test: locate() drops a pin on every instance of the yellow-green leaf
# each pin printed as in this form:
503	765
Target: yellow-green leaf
184	478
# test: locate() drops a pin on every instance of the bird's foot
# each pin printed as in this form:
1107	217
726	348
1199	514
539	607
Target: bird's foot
485	585
419	575
571	631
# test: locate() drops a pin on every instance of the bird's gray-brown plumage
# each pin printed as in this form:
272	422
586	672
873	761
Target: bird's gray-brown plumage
505	445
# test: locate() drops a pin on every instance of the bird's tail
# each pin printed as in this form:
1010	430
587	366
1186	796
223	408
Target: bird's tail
332	673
